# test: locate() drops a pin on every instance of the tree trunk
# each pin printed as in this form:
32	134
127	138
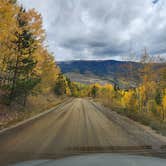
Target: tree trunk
14	80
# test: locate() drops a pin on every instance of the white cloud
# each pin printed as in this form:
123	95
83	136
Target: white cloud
80	29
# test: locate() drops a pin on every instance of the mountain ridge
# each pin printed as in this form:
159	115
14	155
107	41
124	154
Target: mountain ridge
123	73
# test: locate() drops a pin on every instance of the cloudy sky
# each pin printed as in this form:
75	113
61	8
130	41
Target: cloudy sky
102	29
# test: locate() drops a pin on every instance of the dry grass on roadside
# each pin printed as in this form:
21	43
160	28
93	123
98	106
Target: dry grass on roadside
10	115
148	119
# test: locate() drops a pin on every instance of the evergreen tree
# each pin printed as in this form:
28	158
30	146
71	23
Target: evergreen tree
60	86
94	91
24	77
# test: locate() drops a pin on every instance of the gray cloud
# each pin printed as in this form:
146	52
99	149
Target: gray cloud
89	29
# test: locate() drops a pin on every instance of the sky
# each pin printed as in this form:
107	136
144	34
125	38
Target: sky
102	29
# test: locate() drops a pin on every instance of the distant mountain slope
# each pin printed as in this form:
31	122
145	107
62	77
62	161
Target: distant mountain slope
120	72
96	67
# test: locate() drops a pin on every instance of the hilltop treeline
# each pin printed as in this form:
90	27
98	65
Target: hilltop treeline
25	64
124	73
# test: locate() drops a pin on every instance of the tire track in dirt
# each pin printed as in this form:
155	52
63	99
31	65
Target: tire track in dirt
141	134
27	139
115	133
75	127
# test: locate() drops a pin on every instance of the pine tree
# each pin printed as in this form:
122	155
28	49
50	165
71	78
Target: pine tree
24	78
60	86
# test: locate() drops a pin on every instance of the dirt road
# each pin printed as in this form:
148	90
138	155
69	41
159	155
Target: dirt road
75	127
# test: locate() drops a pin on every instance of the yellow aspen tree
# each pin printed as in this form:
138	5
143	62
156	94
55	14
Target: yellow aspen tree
164	106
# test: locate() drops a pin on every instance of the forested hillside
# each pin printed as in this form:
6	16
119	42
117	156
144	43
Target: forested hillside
25	64
28	72
123	73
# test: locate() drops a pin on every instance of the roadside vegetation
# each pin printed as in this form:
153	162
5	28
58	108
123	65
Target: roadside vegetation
28	72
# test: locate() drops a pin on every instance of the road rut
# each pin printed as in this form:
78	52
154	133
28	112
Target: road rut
77	126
